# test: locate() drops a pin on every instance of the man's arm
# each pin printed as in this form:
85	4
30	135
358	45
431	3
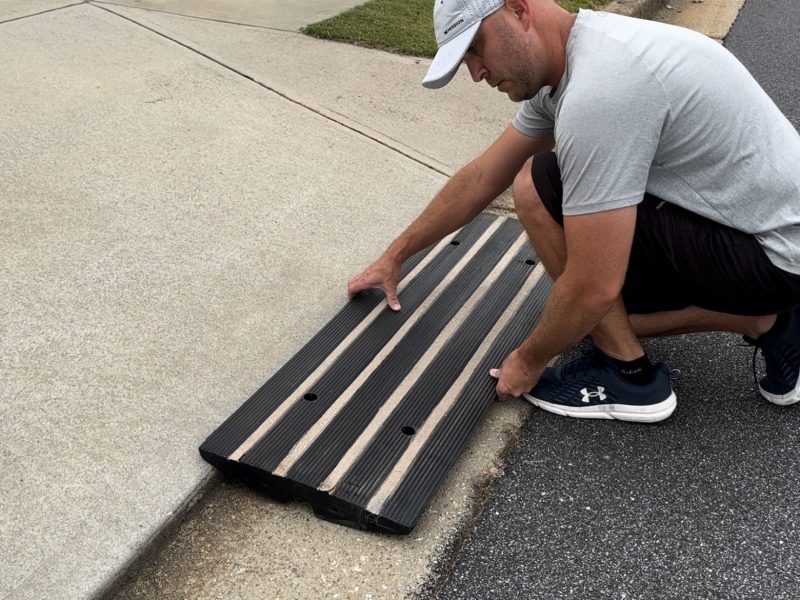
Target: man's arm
465	195
598	249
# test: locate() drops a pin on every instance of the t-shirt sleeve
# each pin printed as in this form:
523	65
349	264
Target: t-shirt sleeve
607	138
534	118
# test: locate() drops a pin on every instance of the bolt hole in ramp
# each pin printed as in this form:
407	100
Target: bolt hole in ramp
350	452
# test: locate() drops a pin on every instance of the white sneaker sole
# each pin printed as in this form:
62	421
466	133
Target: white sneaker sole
652	413
783	399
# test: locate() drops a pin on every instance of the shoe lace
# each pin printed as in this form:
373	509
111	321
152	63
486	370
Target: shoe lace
750	342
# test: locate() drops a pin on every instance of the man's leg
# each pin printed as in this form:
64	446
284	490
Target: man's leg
694	319
618	381
614	334
687	274
710	277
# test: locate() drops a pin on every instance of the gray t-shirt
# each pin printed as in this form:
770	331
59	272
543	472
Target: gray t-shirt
644	106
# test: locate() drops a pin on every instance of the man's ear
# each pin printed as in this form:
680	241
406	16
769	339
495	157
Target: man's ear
521	11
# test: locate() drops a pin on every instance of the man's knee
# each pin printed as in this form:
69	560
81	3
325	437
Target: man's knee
522	189
529	204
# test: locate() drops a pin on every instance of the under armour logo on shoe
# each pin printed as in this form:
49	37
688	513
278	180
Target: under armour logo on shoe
587	395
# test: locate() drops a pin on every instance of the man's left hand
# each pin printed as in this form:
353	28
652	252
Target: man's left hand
516	376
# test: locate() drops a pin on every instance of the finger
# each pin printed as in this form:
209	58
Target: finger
352	292
357	284
353	287
391	297
494	373
501	392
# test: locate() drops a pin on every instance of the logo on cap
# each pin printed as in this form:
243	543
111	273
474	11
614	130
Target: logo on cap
453	26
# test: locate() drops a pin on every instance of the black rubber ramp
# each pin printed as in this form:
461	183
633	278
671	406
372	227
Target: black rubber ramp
367	418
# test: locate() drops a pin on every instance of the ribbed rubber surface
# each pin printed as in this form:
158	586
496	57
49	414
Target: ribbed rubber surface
366	419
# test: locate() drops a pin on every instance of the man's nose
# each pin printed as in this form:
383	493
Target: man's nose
476	68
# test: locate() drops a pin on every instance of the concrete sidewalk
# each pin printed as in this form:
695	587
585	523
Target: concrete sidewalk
179	207
173	213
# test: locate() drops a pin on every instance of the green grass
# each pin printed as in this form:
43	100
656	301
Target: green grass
401	26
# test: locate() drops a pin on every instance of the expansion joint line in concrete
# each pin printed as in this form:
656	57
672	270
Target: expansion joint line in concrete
195	17
316	111
43	12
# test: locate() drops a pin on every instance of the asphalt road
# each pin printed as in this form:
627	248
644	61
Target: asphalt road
703	505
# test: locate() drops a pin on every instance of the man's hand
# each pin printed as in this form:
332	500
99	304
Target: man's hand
516	376
383	274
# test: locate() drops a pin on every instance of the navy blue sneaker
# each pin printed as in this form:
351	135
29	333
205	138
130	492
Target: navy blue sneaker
781	350
591	387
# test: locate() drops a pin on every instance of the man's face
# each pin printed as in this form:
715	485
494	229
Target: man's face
501	54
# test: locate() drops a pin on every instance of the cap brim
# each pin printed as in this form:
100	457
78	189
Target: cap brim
448	58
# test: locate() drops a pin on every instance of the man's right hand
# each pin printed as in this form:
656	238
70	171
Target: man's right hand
383	274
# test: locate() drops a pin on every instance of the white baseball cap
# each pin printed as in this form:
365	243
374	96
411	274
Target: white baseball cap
455	22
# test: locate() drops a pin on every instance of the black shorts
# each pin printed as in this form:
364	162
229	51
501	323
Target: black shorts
681	259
